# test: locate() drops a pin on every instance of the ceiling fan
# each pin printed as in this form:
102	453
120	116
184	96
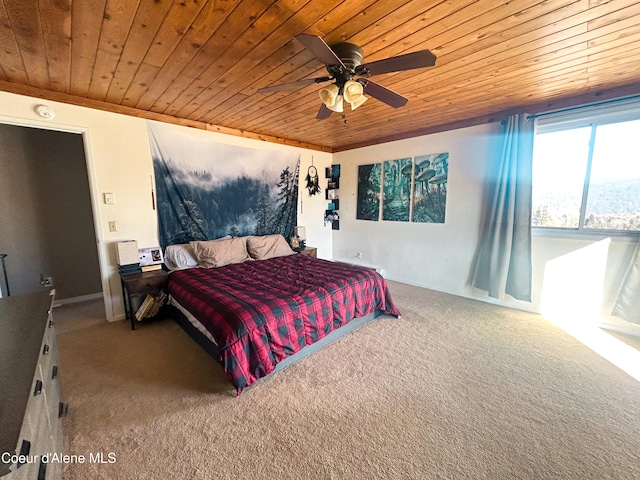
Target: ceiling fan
344	62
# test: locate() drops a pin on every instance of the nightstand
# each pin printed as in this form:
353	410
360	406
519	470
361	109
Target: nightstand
310	252
139	284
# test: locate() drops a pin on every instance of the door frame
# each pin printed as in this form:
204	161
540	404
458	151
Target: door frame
93	194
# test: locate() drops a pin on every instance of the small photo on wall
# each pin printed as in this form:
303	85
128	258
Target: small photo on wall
331	216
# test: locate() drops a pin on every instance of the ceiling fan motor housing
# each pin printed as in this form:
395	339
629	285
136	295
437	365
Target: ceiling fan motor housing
351	56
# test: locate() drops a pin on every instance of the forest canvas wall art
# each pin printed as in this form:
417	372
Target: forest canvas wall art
430	188
412	189
396	189
368	205
206	189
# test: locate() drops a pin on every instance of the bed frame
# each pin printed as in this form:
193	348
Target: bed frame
212	349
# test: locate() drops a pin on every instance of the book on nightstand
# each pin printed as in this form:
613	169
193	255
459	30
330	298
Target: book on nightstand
128	269
144	307
151	268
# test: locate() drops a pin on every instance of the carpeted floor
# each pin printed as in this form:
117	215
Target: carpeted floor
455	389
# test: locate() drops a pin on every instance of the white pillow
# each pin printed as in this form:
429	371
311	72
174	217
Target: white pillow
179	257
268	246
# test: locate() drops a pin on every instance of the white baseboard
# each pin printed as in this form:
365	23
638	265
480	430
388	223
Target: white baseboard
631	331
515	304
356	263
81	298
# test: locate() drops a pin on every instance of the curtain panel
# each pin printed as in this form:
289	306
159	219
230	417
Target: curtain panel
627	304
503	259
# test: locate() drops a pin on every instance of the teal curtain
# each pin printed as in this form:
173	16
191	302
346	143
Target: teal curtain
503	259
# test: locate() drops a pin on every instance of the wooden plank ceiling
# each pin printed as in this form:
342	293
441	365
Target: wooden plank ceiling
199	62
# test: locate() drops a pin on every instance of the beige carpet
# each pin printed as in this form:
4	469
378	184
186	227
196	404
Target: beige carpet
455	389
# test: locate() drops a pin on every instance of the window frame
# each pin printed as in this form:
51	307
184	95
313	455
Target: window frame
593	116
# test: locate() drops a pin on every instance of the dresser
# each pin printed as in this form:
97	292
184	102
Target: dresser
31	406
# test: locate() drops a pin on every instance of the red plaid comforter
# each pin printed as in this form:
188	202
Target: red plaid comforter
260	312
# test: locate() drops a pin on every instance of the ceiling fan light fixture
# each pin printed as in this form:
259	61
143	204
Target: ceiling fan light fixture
329	94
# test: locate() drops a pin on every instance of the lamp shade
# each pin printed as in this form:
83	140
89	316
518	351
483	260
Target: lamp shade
354	94
300	232
359	101
352	90
329	94
338	105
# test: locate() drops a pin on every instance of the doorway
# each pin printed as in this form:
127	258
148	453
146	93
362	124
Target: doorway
48	228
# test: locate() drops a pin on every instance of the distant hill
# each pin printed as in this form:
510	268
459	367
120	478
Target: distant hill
621	196
610	205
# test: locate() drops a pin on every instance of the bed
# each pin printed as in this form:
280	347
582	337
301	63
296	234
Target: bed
268	304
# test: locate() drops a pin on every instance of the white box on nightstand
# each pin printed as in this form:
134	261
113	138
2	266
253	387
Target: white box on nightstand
127	252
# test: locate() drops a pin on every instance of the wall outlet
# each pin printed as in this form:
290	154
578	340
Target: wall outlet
46	281
113	226
358	254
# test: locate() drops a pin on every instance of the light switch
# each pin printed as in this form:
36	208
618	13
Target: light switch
109	198
113	227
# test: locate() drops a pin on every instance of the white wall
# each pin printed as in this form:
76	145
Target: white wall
119	162
440	256
572	272
436	256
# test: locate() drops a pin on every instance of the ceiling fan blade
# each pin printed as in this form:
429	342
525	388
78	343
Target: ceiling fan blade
408	61
324	112
383	94
301	83
320	49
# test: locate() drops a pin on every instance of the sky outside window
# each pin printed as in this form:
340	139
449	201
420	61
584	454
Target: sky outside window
615	176
559	168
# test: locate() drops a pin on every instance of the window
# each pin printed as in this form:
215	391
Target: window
586	170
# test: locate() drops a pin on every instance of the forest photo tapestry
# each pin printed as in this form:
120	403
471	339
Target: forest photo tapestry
207	190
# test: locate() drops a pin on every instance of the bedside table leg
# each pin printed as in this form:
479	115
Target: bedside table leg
128	310
131	316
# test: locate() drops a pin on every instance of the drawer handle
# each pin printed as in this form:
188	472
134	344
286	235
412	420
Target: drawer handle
38	390
25	448
63	409
45	349
42	471
54	372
